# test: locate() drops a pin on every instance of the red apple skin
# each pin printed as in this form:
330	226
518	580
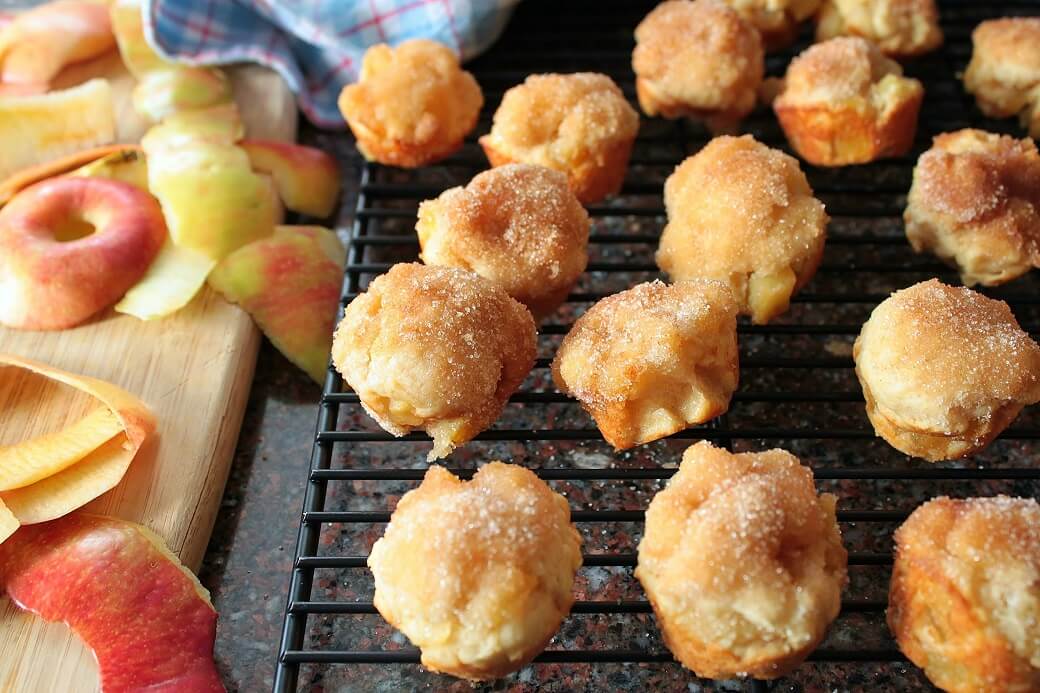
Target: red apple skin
307	179
142	613
46	284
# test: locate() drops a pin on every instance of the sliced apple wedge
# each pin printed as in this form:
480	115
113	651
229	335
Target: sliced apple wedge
128	27
41	41
8	522
145	616
307	178
169	284
50	475
290	284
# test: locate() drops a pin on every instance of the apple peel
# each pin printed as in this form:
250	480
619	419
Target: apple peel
290	284
51	475
147	619
307	179
173	279
126	164
22	179
161	93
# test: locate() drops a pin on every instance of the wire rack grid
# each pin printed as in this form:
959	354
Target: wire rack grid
798	391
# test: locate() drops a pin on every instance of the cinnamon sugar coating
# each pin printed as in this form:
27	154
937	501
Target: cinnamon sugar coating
434	348
743	562
1004	72
900	28
944	370
776	20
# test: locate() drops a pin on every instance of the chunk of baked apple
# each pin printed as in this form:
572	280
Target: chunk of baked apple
146	617
307	179
290	284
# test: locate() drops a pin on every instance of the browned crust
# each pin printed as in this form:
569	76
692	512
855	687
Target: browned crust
838	136
392	152
617	427
591	182
973	658
719	122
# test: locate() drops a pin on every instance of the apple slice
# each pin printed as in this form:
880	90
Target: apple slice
8	522
41	41
290	284
161	93
126	164
220	124
307	178
170	283
128	27
39	128
49	476
146	617
56	167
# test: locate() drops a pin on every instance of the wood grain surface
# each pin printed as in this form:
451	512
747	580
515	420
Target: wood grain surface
193	369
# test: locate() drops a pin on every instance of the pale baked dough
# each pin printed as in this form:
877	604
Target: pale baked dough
434	348
975	202
518	225
944	370
744	214
477	574
843	102
578	123
900	28
652	360
1004	72
776	20
412	105
698	59
743	562
964	603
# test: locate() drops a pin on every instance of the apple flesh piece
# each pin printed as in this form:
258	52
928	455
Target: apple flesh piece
127	25
290	284
161	93
40	42
307	179
145	616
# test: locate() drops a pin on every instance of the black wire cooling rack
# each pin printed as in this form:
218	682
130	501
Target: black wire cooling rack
798	391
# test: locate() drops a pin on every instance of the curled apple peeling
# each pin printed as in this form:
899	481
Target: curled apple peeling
128	27
62	165
290	284
170	283
163	92
145	616
126	164
307	179
219	124
50	475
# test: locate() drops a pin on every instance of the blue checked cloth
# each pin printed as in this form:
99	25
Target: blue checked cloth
316	45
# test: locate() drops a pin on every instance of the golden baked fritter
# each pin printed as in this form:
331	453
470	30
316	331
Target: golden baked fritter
975	202
578	123
744	214
963	603
1004	72
843	102
944	370
412	105
652	360
743	562
478	574
518	225
434	348
900	28
776	20
698	59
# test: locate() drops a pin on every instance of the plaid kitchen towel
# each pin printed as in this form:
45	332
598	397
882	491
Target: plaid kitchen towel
316	45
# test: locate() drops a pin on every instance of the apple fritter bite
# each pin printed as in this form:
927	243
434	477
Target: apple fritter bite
743	562
744	214
843	102
518	225
434	348
700	60
776	20
975	202
652	360
900	28
578	123
1004	72
478	574
963	603
413	104
944	370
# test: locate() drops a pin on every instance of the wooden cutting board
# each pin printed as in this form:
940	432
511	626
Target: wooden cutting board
193	369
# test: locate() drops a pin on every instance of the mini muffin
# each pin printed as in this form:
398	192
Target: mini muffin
477	574
579	124
742	562
653	360
900	28
975	202
776	20
843	102
963	604
744	214
413	104
434	348
518	225
698	59
1004	72
944	370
